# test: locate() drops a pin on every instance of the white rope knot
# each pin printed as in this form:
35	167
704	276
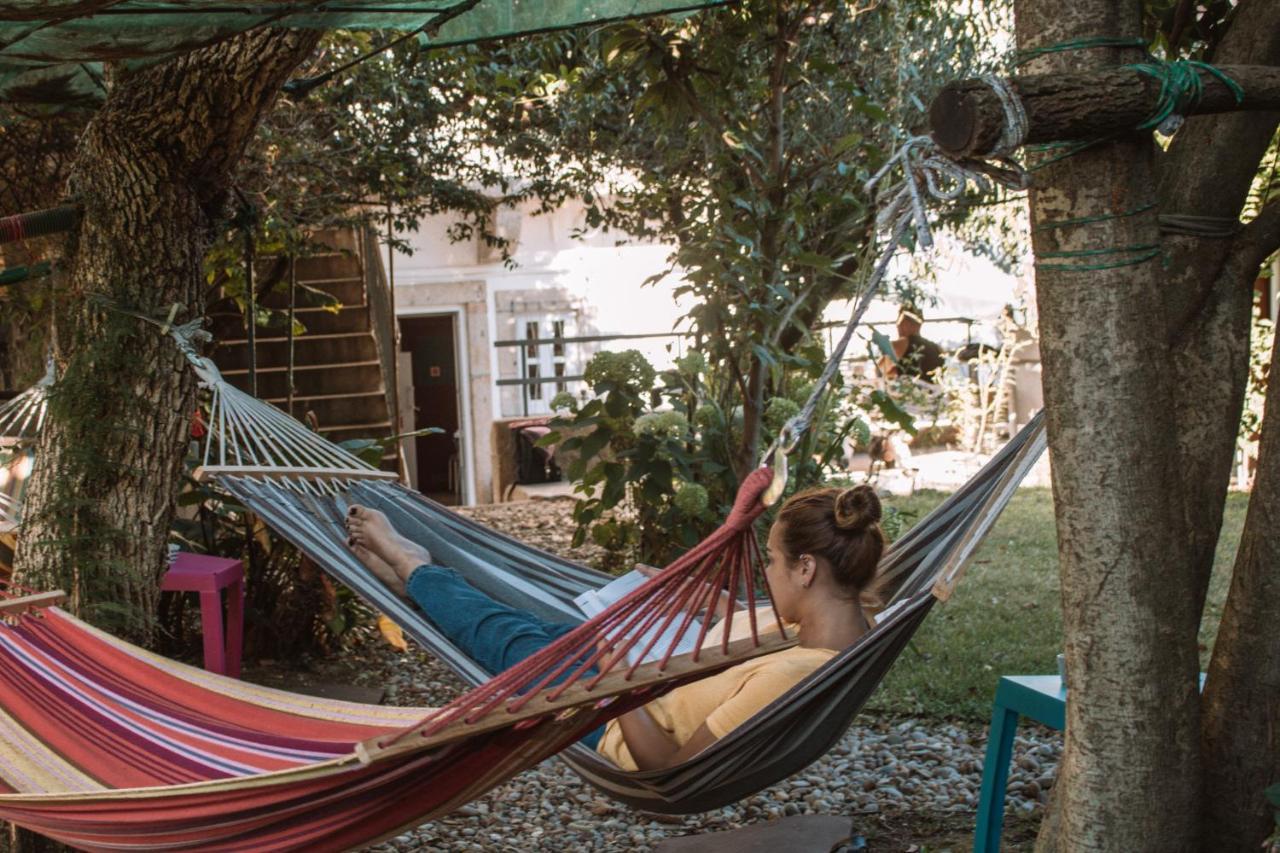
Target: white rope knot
926	170
1014	132
191	338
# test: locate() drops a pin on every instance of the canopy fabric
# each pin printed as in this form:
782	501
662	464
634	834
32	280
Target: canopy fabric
51	52
791	733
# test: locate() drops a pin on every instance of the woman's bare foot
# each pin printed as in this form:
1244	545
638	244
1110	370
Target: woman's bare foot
381	570
376	543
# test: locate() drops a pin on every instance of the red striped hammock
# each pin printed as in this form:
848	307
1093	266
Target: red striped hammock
105	746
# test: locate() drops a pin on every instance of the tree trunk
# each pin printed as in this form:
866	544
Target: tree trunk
152	173
152	169
1130	769
1242	697
1208	285
752	417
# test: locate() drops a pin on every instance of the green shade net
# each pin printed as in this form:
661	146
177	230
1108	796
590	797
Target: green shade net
51	52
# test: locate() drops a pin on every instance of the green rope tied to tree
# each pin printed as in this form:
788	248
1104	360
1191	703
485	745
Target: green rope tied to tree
1083	220
1181	88
13	275
1024	56
1140	254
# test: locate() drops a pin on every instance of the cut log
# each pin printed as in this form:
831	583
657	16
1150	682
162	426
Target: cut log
967	119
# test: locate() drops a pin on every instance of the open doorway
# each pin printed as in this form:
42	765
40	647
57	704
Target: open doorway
429	343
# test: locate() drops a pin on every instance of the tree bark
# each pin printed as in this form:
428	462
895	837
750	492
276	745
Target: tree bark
1208	171
152	173
1208	285
1130	768
968	120
1242	696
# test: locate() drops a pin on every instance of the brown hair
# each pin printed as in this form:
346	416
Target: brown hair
841	525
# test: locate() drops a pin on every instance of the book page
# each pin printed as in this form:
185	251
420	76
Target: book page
595	601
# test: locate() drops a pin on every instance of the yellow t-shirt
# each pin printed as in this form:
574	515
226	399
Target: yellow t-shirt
724	701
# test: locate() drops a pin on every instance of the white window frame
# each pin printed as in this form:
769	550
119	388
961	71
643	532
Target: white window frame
542	359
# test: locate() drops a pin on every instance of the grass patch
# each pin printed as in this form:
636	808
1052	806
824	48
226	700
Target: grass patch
1005	617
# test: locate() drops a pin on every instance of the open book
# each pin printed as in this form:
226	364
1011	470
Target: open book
595	601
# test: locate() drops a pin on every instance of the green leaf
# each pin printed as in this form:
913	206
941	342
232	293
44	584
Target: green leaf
813	259
892	412
593	443
882	343
1273	795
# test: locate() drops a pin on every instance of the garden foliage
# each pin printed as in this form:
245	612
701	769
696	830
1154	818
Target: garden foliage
652	453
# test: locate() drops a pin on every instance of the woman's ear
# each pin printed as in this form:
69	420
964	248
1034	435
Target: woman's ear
808	569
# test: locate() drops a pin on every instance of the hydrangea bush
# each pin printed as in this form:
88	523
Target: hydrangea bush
652	453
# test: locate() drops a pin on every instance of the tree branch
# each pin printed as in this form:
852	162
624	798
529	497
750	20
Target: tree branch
1260	239
968	120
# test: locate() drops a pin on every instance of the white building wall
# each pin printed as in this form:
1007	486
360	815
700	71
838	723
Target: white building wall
591	284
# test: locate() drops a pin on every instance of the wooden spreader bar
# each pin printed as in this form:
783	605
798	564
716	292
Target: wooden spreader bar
208	472
611	684
35	601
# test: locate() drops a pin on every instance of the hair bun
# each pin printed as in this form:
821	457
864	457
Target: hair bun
857	508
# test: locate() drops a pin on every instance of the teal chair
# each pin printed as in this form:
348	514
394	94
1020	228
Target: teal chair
1039	697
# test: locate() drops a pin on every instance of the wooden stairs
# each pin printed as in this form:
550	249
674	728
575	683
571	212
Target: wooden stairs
342	363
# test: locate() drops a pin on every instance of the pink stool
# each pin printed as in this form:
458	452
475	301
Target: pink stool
209	576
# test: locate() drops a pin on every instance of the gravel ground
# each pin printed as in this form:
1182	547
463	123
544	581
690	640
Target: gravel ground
896	767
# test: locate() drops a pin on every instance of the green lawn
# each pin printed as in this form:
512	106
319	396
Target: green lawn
1005	617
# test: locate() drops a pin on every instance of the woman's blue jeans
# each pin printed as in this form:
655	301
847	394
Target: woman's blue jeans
491	633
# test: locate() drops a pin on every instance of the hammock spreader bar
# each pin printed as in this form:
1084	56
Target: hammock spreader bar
39	223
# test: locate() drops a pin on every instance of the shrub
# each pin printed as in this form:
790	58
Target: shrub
651	454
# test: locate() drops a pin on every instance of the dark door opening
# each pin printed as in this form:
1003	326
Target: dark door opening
430	344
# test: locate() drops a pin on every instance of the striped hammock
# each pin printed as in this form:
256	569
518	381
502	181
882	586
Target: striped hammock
108	747
104	746
792	732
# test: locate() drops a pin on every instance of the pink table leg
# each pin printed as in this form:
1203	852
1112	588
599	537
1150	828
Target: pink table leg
215	644
235	627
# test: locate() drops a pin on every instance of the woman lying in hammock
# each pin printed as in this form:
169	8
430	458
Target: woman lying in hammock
822	551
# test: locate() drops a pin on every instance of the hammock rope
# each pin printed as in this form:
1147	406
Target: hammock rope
926	172
21	420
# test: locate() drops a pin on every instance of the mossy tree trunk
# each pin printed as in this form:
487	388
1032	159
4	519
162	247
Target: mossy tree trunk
152	172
